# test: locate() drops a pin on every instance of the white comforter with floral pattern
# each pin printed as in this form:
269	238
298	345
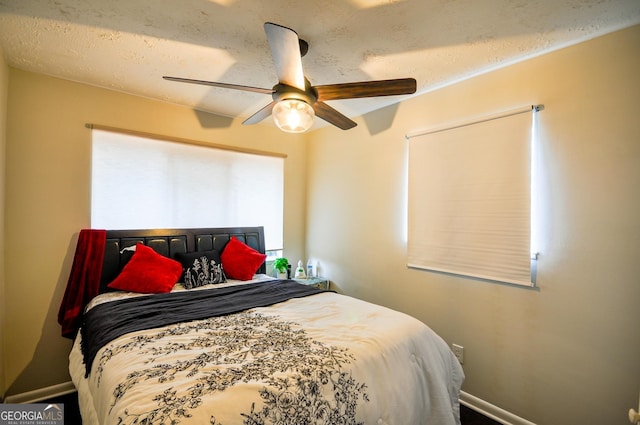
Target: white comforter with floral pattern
321	359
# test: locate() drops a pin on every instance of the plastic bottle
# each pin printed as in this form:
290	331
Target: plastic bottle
309	268
299	271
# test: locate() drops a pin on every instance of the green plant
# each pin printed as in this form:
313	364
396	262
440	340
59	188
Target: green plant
281	264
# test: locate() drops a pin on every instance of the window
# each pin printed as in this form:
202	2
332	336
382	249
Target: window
469	198
139	183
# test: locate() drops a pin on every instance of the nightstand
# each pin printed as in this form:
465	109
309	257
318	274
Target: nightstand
317	282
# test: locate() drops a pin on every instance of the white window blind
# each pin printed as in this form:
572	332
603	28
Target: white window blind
140	183
469	196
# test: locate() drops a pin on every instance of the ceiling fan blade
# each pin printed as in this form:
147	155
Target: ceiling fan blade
366	89
260	115
332	116
285	49
222	85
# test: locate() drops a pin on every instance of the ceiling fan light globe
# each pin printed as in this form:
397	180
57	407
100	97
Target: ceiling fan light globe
293	115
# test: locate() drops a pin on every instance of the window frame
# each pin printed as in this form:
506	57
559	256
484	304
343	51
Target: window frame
428	250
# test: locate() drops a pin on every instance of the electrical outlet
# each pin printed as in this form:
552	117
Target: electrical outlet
458	351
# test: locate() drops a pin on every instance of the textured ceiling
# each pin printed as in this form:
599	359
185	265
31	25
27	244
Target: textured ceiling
128	45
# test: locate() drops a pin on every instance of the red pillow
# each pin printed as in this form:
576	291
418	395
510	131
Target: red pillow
148	272
240	261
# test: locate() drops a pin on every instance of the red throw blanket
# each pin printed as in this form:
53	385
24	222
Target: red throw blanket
84	280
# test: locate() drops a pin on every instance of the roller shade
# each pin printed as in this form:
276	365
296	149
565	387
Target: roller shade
469	199
142	183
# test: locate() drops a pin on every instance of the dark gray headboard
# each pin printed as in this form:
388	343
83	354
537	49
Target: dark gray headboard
170	241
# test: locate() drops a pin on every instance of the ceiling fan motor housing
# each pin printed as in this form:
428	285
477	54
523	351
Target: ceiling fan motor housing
283	92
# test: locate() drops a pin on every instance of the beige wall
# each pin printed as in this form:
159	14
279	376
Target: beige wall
4	82
568	353
48	201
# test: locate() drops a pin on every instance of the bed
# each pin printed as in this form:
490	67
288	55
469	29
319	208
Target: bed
249	351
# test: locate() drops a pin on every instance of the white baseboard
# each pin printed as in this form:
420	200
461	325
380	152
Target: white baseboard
41	394
491	411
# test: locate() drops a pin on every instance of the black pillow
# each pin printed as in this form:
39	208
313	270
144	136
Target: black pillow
201	268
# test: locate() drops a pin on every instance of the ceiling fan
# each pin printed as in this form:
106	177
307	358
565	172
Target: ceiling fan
295	101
